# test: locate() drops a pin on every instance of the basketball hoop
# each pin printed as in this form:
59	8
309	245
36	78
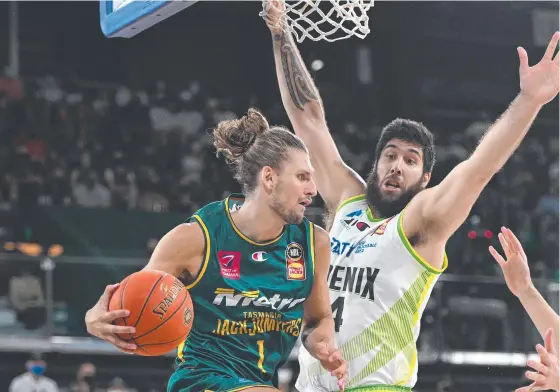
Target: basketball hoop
328	20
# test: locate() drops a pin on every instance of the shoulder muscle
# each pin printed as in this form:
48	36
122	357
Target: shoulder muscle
182	248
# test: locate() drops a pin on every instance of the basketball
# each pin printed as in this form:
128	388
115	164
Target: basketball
160	308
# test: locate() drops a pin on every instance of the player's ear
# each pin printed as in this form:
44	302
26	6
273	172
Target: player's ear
425	179
268	178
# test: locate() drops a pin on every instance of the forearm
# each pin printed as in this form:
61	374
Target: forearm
319	331
299	93
541	313
502	139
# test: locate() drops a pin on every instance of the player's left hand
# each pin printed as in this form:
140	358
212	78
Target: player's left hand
515	269
331	359
541	82
547	375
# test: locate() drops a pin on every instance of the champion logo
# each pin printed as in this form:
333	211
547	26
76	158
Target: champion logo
259	256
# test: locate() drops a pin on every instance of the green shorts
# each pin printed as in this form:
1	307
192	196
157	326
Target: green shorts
194	380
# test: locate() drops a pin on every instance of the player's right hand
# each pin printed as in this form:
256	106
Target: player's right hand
515	267
331	359
273	12
99	322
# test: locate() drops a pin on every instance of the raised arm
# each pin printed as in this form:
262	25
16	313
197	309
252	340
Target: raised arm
335	180
318	333
518	279
437	212
179	252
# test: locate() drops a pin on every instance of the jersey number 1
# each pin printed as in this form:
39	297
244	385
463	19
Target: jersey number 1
337	308
260	343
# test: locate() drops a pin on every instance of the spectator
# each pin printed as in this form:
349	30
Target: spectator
34	379
91	193
117	384
26	298
86	380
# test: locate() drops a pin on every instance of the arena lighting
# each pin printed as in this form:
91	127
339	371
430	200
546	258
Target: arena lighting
29	248
33	249
487	358
473	234
317	65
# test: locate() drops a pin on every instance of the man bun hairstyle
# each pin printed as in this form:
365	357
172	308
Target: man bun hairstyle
249	143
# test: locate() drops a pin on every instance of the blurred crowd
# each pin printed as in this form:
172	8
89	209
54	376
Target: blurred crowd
150	149
115	147
108	148
86	379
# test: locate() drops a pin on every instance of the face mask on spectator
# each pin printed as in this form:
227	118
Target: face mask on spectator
37	370
90	380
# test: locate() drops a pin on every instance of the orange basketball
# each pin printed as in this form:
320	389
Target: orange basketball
160	308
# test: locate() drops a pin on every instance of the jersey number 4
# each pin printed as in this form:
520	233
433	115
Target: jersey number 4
337	308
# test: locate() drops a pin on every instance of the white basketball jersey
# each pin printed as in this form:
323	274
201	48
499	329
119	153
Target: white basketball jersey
378	287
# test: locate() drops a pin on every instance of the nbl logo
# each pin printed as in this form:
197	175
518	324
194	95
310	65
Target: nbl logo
295	263
294	253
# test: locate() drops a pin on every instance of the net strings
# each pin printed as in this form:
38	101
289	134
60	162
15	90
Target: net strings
306	20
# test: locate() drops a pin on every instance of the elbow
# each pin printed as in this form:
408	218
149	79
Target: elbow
313	112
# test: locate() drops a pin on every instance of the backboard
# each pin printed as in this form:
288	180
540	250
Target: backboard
126	18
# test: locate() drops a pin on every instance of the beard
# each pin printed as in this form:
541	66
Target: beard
291	217
383	206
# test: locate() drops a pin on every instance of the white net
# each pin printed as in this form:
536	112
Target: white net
328	20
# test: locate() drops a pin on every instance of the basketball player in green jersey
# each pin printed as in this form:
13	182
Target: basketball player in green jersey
389	232
255	268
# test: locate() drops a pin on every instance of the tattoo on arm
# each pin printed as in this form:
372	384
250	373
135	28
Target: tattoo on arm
300	85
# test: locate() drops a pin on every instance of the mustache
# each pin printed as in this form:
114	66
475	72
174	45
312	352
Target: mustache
382	206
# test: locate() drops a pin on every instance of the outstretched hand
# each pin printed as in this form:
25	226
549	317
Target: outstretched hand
546	376
541	81
515	267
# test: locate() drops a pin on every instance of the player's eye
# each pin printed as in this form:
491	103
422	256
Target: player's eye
411	161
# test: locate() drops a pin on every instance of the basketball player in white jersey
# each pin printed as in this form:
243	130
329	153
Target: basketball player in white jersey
388	234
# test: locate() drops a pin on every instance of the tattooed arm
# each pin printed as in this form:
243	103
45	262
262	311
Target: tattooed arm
335	180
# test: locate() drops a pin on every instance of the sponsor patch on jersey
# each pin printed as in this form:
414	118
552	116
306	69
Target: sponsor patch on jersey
354	213
347	248
259	256
363	245
295	262
351	218
235	207
230	264
231	297
382	227
357	223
